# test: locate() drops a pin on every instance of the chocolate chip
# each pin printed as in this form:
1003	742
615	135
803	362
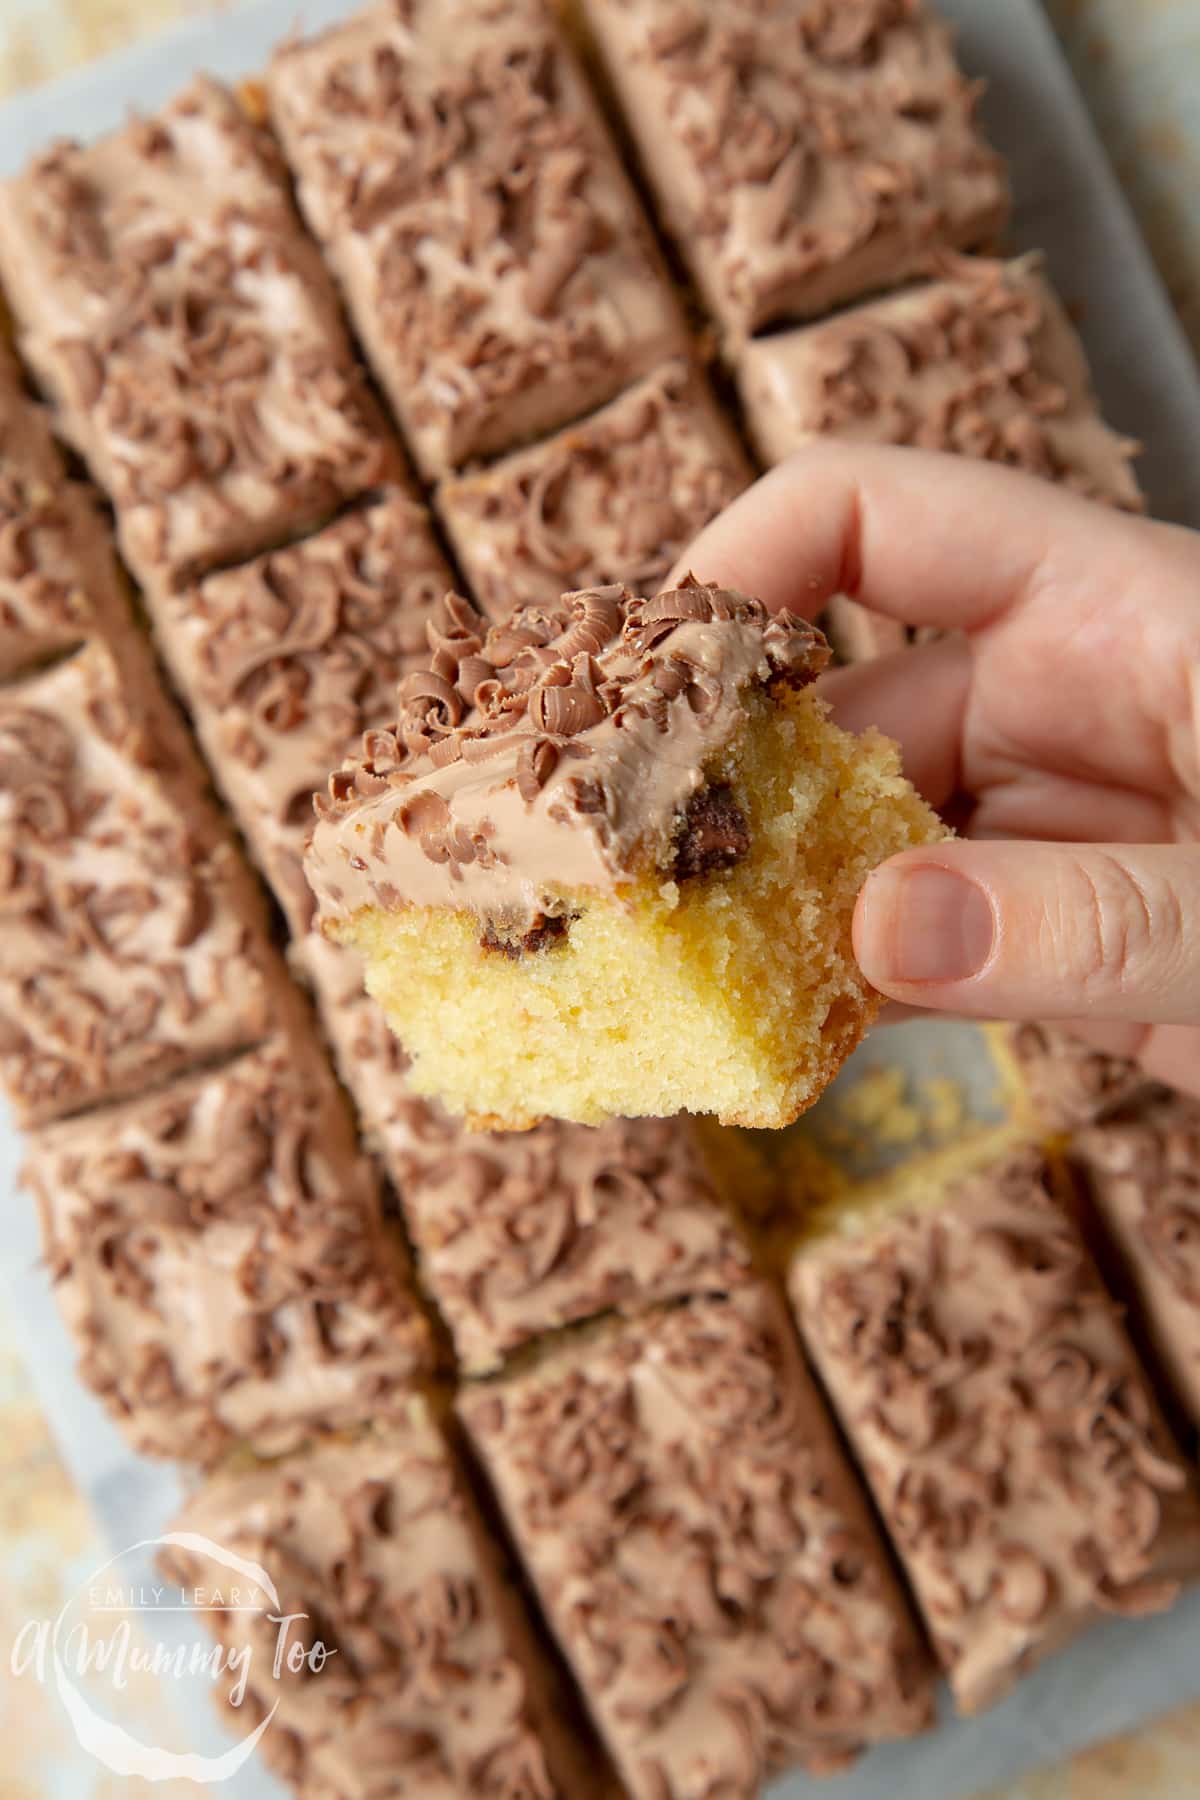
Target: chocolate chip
794	679
714	834
544	932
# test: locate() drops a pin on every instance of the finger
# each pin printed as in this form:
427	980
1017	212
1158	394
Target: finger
1034	803
1033	930
931	539
916	697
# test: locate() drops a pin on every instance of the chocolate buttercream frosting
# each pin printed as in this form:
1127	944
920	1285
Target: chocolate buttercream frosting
169	302
702	1550
556	751
618	497
219	1255
802	152
1068	1083
58	576
1141	1168
135	943
287	660
455	167
434	1687
1012	1440
984	363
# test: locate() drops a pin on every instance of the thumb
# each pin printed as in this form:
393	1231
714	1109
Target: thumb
1033	930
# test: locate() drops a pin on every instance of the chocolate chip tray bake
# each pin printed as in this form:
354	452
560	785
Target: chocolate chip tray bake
632	1458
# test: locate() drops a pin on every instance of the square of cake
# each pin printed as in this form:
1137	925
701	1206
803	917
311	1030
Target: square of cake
518	1234
430	1684
219	1256
1016	1452
617	497
605	863
985	363
492	253
285	662
702	1551
1141	1170
171	306
801	153
1062	1083
135	939
58	575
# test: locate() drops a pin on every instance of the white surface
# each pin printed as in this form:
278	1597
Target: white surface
1068	204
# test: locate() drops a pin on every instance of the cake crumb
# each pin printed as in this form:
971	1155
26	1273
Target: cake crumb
885	1110
943	1103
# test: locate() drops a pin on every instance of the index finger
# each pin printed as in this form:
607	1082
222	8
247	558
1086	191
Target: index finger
927	538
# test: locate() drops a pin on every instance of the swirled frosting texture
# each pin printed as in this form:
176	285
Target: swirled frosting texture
453	164
58	579
616	498
288	660
802	152
437	1690
702	1551
983	364
554	751
1067	1083
167	298
1142	1170
1015	1450
134	942
520	1233
218	1254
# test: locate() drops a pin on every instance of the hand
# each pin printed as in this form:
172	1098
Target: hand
1065	714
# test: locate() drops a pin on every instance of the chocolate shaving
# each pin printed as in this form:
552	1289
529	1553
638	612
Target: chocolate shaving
472	146
197	344
1011	1438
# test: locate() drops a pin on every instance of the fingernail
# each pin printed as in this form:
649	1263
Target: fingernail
932	925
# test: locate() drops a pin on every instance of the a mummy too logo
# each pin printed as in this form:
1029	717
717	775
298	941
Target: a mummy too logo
114	1634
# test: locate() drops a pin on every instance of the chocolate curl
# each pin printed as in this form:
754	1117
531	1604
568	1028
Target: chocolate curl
430	702
536	763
